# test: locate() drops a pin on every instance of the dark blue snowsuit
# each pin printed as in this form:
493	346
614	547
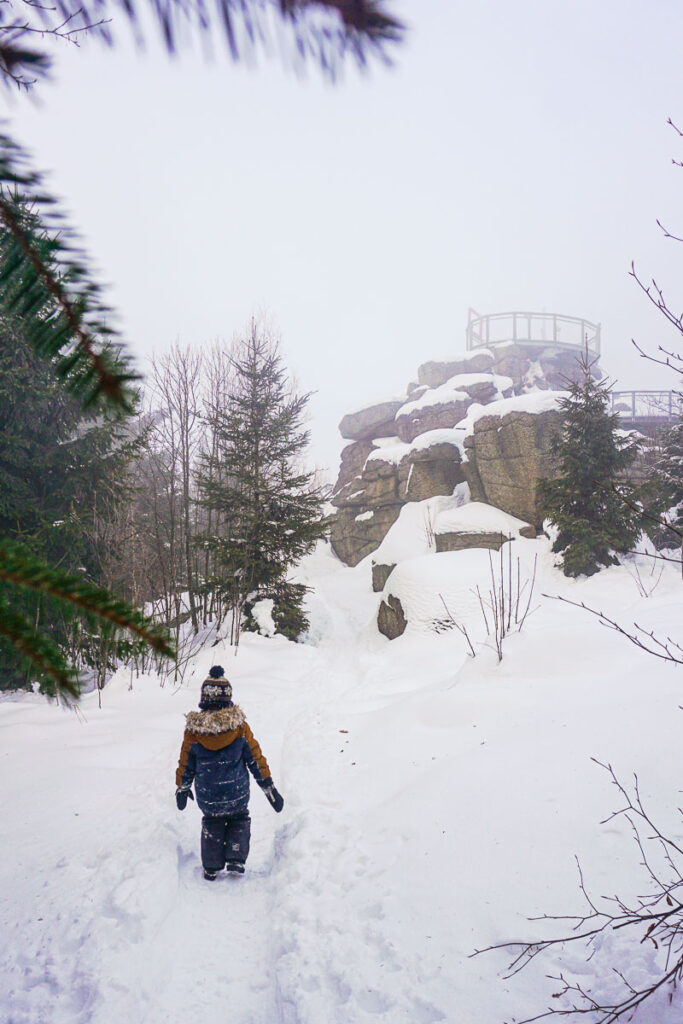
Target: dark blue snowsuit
218	752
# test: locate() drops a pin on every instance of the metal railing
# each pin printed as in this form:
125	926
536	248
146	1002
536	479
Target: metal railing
635	406
541	329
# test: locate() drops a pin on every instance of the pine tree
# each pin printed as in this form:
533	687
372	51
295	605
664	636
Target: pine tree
595	511
267	508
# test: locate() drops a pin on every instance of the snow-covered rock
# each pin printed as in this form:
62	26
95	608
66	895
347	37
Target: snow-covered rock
391	450
435	438
508	452
429	588
412	534
477	525
534	367
353	458
436	409
536	402
435	373
371	421
442	407
394	473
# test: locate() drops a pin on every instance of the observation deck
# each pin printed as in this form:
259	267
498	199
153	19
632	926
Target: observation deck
647	411
542	330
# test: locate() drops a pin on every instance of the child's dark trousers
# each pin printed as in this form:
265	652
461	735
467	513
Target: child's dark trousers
224	838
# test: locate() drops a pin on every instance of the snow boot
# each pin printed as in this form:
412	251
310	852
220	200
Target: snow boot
210	876
235	867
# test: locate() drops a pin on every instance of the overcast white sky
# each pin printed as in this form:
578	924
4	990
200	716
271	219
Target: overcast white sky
515	157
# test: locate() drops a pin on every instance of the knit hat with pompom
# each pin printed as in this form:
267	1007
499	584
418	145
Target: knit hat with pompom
216	691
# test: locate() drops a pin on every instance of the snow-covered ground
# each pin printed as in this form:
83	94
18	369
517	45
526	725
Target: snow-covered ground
432	803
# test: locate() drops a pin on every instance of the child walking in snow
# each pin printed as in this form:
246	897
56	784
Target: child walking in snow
218	748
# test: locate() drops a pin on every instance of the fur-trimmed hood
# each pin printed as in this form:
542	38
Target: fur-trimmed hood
211	723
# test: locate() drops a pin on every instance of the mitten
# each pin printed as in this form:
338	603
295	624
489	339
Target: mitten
272	794
181	796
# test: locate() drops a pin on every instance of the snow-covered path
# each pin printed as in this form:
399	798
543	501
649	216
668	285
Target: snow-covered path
104	911
113	921
432	803
337	960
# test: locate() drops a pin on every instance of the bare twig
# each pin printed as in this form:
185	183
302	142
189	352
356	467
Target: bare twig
460	627
483	611
656	296
531	591
647	589
645	640
668	234
504	601
655	918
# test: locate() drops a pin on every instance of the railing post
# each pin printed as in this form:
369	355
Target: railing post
633	406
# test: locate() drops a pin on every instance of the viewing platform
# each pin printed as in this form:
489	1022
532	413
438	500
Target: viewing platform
647	411
541	330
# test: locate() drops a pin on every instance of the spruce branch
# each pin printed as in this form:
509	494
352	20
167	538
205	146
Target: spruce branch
39	650
21	569
637	507
45	280
324	31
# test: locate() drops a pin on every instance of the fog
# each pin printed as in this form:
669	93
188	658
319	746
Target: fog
515	157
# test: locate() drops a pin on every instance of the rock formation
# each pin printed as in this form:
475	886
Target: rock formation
452	467
373	421
369	503
444	406
434	374
508	453
532	367
408	450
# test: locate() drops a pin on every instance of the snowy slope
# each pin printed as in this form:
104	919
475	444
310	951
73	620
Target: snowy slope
433	802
